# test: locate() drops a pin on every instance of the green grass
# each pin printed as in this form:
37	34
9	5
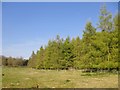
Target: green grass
28	78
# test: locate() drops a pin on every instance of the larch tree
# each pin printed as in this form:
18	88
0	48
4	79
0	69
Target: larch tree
105	20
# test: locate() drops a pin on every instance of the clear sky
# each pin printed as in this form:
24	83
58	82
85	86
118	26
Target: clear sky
27	26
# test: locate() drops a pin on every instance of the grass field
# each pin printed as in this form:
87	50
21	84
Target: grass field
28	78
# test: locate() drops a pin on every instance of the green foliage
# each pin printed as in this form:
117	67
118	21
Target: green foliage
96	50
32	60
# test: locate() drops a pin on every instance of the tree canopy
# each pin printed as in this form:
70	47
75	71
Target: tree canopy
95	50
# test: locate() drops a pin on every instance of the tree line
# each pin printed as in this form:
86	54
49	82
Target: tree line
13	62
97	49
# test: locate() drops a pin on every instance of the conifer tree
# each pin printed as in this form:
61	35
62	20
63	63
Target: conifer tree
105	20
32	60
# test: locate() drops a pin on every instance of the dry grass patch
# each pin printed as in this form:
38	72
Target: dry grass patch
28	78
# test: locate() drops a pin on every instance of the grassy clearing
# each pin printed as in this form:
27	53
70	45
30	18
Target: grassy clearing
28	78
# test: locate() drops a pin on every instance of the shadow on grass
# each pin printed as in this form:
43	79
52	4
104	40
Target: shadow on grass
97	74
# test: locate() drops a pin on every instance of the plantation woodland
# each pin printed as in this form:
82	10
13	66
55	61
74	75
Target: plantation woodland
96	50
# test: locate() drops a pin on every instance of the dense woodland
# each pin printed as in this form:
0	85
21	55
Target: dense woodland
97	49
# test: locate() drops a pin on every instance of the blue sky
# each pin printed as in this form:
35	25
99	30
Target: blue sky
1	28
27	26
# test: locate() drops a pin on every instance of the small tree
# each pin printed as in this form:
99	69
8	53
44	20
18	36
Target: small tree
105	20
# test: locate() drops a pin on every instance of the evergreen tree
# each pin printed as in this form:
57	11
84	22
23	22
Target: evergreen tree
88	37
77	52
40	58
95	50
32	60
105	20
68	54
